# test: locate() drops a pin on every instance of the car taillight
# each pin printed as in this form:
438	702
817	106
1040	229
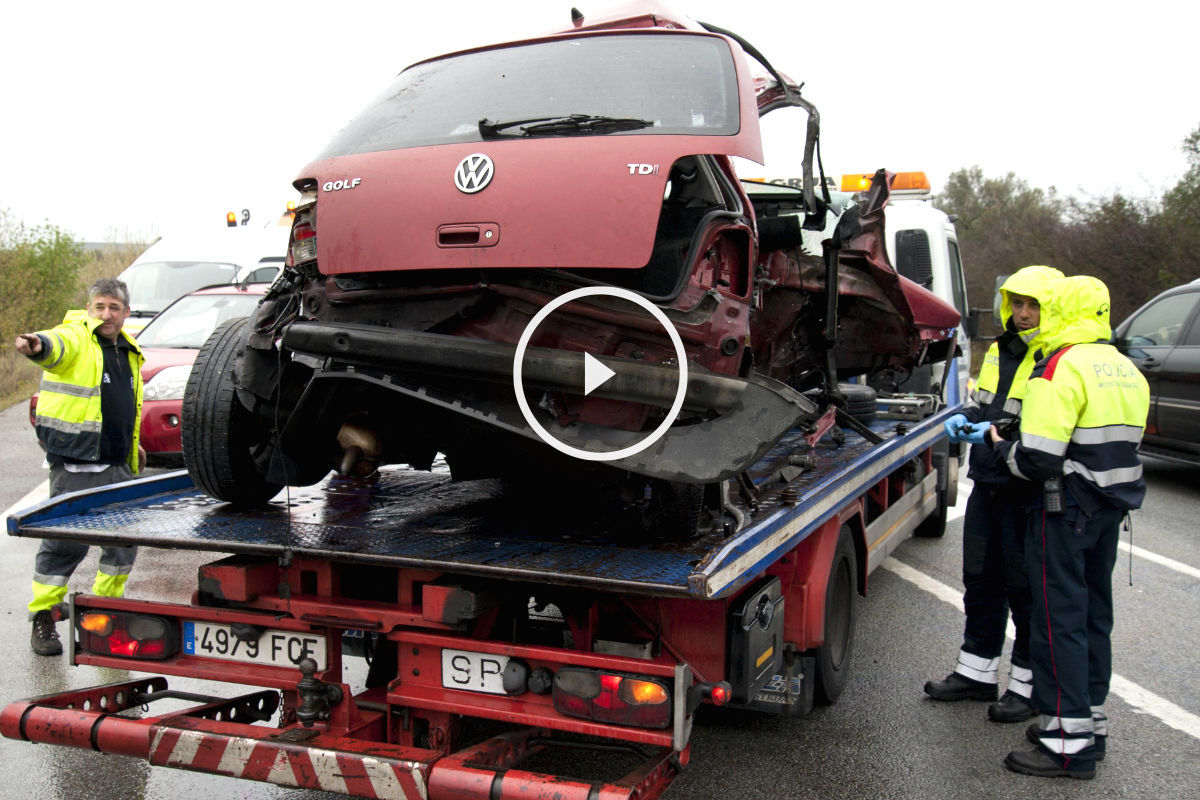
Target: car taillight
612	698
127	635
304	244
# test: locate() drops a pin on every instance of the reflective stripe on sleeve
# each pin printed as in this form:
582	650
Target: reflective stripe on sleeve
1011	460
62	350
1045	444
1012	406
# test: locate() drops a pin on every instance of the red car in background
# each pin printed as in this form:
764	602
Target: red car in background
170	343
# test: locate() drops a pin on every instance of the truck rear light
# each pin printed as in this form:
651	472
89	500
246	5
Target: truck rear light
304	244
612	698
718	694
126	635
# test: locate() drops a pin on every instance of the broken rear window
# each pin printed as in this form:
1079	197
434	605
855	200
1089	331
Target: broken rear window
679	83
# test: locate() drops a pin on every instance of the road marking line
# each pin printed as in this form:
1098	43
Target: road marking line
960	508
36	495
1161	560
1141	699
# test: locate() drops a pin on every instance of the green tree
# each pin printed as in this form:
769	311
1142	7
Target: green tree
39	269
1180	218
1003	224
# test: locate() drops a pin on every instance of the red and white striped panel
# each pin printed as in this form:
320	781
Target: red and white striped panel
289	764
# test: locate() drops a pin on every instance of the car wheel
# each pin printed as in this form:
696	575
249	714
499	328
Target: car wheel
841	616
674	510
226	449
861	401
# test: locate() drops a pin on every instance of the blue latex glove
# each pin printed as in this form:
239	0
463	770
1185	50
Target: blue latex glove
975	433
954	425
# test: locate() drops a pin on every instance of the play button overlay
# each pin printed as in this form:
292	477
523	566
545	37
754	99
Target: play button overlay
595	374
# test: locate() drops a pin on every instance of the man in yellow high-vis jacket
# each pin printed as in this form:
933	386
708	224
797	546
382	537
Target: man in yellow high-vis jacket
88	416
1083	416
994	526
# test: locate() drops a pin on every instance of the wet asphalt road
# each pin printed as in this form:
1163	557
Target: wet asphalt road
883	739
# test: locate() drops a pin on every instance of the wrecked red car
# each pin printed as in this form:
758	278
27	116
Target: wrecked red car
482	185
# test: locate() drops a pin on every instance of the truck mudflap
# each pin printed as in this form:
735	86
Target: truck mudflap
212	737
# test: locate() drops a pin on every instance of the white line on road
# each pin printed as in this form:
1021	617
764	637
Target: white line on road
36	495
1141	699
960	508
1161	560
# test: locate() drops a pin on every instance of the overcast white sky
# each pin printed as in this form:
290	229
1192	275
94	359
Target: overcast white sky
131	119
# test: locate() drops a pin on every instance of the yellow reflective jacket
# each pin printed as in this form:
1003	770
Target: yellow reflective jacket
997	393
68	419
1033	282
1085	404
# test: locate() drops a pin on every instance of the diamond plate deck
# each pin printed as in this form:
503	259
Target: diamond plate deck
426	520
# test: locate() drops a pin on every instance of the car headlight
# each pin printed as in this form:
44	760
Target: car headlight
167	384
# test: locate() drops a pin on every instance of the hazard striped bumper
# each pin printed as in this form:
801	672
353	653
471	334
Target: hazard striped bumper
212	738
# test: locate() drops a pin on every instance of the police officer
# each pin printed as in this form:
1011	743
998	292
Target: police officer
1083	416
994	525
88	415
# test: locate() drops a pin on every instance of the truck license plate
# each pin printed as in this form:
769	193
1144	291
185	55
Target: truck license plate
276	648
475	672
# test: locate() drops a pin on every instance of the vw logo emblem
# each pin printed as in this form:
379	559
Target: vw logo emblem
474	173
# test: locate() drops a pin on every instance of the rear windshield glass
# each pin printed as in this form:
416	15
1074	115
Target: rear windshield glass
681	83
154	284
192	320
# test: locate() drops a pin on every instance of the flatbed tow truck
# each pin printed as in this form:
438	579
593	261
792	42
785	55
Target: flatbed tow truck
476	608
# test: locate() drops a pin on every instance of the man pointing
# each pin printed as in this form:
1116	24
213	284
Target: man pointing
88	415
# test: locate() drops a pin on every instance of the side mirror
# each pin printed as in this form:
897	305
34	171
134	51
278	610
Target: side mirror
971	322
996	300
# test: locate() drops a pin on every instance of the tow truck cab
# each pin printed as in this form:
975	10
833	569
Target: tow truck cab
923	246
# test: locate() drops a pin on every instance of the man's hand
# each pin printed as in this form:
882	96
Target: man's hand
141	458
975	433
954	426
29	344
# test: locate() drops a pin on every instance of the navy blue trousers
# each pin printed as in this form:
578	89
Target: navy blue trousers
994	574
1070	558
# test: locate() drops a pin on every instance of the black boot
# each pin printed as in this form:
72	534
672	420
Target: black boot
1044	765
44	639
1011	707
957	687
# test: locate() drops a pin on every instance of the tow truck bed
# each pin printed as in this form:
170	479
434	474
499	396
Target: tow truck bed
426	520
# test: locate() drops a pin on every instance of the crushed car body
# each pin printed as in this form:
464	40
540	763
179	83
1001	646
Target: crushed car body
481	186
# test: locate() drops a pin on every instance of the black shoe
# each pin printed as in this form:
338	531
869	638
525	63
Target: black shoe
1043	765
956	687
1031	733
44	639
1011	707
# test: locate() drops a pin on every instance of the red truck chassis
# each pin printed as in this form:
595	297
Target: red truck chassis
760	618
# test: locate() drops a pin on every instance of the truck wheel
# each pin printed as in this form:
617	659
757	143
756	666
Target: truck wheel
225	447
934	526
841	616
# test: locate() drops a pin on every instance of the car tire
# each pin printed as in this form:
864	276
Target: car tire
225	447
861	401
675	510
841	616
